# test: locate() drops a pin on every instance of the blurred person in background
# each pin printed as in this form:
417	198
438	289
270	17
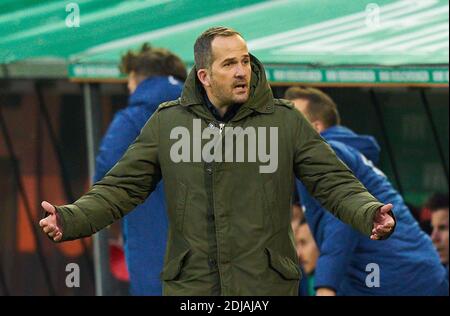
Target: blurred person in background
422	216
408	263
296	219
155	75
308	254
438	206
297	212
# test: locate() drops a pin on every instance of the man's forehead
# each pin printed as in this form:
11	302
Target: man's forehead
229	47
440	214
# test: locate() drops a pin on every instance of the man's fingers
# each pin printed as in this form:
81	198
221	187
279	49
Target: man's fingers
54	233
57	237
389	224
49	228
386	228
380	231
48	224
48	207
383	226
386	208
383	231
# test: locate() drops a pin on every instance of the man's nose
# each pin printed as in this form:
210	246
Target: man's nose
435	235
240	73
299	254
299	250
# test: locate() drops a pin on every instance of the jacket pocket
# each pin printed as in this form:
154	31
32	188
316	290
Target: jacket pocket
181	205
172	269
284	266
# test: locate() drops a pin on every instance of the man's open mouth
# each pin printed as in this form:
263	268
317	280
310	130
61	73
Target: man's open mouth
240	86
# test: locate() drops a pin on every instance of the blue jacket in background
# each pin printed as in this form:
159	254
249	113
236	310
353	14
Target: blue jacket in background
408	262
144	229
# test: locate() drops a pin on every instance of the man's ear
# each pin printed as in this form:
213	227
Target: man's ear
318	126
203	76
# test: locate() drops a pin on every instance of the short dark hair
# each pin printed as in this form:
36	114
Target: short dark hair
320	105
149	61
437	201
202	47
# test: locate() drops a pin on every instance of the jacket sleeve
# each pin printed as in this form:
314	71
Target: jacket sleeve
125	186
330	181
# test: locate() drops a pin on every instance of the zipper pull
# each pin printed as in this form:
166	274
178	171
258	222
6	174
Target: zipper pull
221	125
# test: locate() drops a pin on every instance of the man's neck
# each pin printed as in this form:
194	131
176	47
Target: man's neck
221	108
222	114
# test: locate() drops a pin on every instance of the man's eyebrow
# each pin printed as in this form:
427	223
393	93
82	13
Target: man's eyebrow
234	58
228	60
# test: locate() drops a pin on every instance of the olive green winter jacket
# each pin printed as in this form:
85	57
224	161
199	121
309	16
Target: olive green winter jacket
229	222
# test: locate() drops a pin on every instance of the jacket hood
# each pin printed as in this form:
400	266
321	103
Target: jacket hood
261	97
153	91
366	144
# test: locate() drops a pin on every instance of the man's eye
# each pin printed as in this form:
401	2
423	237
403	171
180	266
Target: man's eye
246	62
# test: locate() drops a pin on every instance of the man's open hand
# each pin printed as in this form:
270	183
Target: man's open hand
50	223
383	222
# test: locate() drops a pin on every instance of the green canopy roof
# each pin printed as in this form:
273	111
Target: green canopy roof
319	41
